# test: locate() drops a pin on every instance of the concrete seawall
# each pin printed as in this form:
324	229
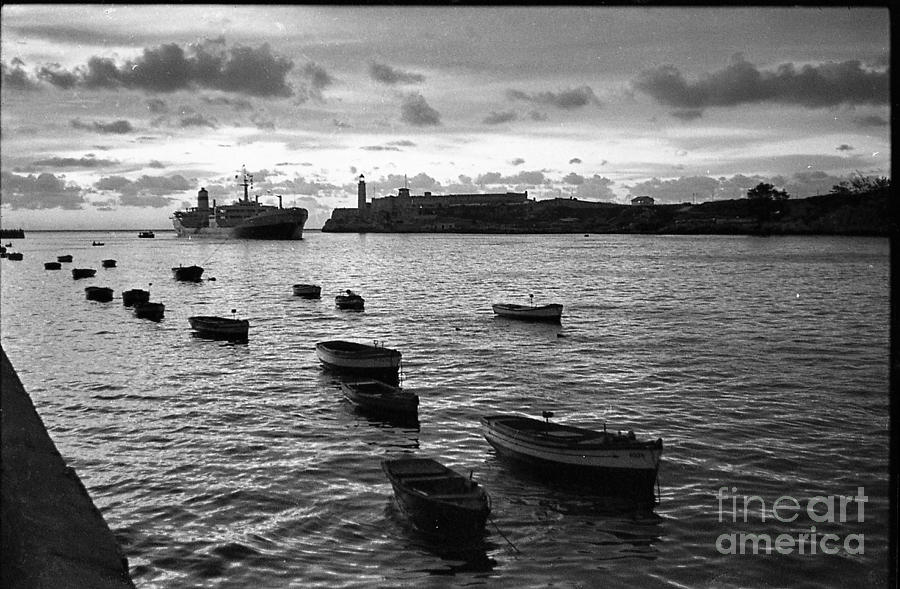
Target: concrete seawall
53	534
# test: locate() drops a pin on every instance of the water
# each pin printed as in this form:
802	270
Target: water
761	362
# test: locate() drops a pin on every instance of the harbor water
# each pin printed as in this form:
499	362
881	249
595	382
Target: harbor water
762	363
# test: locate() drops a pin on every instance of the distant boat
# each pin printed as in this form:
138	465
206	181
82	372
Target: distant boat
220	327
380	398
437	500
151	311
147	234
134	297
109	263
65	258
82	273
97	243
307	291
98	293
15	256
52	265
350	300
608	461
363	359
551	313
188	273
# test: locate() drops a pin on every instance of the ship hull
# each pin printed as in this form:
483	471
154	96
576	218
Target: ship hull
279	225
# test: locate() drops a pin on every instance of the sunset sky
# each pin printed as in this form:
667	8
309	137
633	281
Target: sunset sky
113	116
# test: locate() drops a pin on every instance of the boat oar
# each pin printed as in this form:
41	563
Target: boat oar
499	531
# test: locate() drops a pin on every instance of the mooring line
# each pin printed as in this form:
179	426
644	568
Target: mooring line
499	531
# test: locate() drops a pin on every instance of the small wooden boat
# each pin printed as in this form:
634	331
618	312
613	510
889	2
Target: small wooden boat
147	234
98	293
551	313
134	297
363	359
65	258
82	273
614	462
350	300
15	256
437	500
52	265
109	263
380	398
220	327
97	243
188	273
148	310
307	291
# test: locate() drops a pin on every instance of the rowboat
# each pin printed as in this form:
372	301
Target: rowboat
220	327
188	273
151	311
307	291
550	313
147	234
15	256
98	293
351	300
380	398
614	462
134	297
437	500
109	263
351	357
52	265
82	273
65	258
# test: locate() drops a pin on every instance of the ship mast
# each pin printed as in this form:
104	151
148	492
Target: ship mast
246	180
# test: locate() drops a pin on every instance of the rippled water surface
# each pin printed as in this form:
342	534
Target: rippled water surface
761	362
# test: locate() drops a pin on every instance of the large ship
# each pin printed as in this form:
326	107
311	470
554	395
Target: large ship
244	219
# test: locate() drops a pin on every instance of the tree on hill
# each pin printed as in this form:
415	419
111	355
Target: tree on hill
860	184
764	198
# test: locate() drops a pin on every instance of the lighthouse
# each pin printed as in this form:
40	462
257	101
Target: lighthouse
361	196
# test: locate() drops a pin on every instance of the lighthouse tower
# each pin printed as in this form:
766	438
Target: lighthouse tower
361	196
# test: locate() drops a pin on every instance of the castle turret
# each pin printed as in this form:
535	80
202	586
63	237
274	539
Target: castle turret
203	200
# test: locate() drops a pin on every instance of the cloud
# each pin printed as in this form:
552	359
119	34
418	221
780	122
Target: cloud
497	118
828	84
573	178
317	79
44	191
157	106
535	178
119	127
88	161
517	161
15	77
594	188
146	191
240	69
872	121
416	111
238	104
687	114
567	99
575	160
844	147
385	74
380	148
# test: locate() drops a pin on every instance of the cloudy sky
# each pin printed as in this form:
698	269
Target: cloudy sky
113	116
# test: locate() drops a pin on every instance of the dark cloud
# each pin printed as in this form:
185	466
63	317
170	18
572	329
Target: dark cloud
157	106
14	76
872	121
317	78
828	84
380	148
531	178
388	75
517	161
256	71
196	120
238	104
573	178
44	191
71	162
262	121
497	118
156	164
567	99
416	111
844	147
146	191
574	160
119	127
402	143
595	188
537	116
687	114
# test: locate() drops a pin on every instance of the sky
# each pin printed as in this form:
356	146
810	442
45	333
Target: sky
114	116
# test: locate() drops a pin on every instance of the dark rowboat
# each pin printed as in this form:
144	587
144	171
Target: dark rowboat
220	327
65	258
363	359
15	256
52	265
109	263
609	462
98	293
135	296
380	398
307	291
550	313
188	273
151	311
82	273
437	500
351	300
149	234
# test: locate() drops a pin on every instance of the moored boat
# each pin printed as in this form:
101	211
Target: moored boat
18	256
109	263
609	462
220	327
380	398
97	243
135	296
550	313
65	258
362	359
188	273
148	310
147	234
349	300
82	273
438	500
52	265
102	294
307	291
